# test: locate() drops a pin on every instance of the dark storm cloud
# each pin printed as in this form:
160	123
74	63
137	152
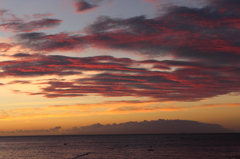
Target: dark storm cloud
150	127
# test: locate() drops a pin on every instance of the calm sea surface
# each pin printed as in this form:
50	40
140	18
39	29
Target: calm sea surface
172	146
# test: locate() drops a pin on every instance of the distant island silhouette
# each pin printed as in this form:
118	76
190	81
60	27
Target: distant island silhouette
150	127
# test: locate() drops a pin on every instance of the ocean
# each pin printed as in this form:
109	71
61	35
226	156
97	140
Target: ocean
151	146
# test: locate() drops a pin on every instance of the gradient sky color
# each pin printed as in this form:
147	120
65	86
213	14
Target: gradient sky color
73	63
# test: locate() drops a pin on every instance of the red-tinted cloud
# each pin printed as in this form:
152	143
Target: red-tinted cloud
205	42
183	84
20	26
49	43
86	5
189	81
4	47
209	34
39	65
9	21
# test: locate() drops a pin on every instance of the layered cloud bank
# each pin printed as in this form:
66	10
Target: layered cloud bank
167	80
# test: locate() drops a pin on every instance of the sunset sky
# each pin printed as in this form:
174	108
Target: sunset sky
66	64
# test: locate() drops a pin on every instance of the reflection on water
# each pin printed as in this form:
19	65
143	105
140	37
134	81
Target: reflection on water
165	146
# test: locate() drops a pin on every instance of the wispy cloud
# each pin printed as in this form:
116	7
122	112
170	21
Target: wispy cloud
9	21
32	132
17	26
103	108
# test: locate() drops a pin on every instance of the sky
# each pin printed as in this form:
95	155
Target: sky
108	66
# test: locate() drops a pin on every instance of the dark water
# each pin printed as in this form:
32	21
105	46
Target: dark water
171	146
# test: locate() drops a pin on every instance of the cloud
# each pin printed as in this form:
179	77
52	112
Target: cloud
37	41
37	113
9	21
4	114
21	55
20	26
202	43
166	80
33	132
161	107
41	16
188	33
86	5
37	66
105	108
101	108
150	127
179	85
19	82
220	105
208	34
4	47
